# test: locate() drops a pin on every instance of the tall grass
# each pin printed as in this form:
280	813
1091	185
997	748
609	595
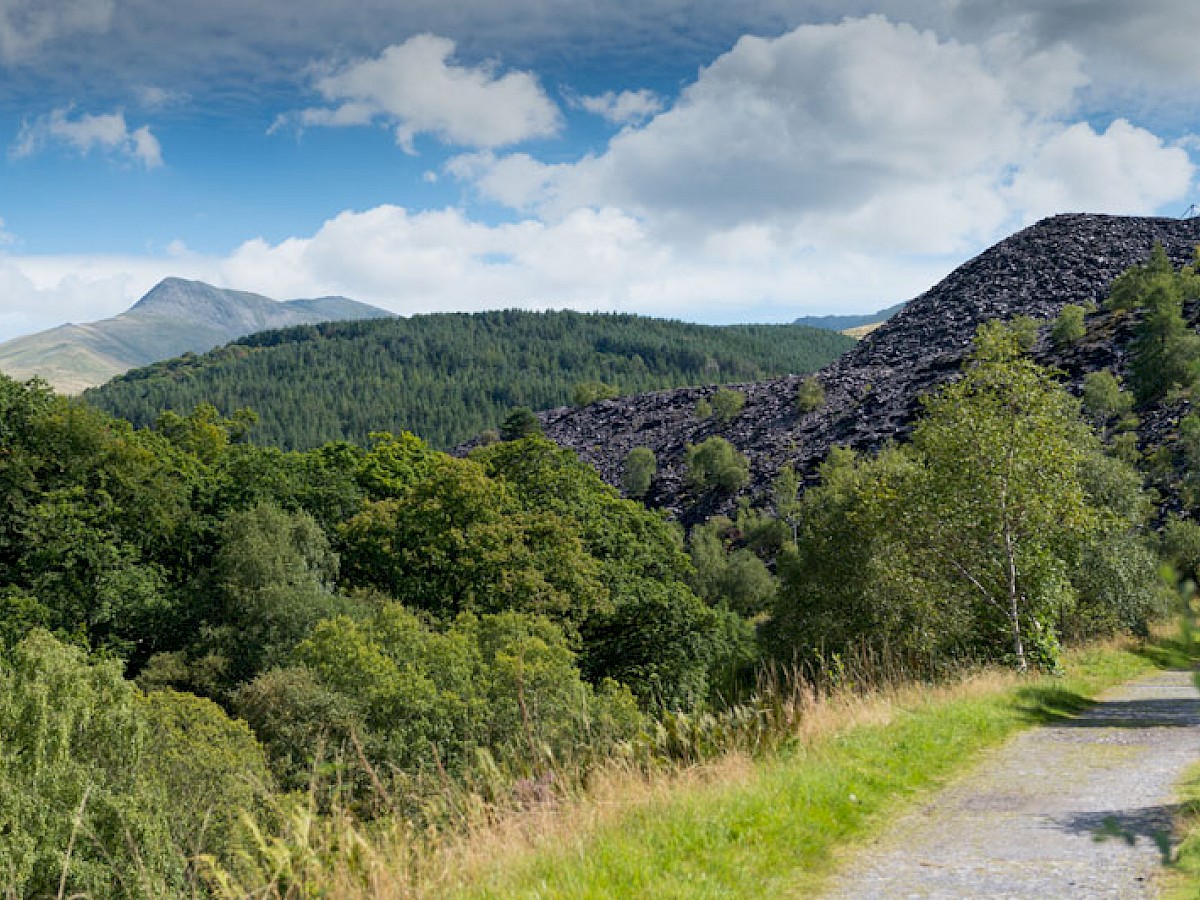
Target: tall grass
752	799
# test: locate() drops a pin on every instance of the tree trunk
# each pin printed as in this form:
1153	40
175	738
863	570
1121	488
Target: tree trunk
1014	605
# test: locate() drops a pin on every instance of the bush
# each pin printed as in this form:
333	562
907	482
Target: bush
727	403
1069	327
810	395
715	463
1103	397
430	697
588	392
521	423
151	780
638	471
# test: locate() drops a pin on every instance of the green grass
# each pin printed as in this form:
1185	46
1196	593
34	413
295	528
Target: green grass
774	831
1184	878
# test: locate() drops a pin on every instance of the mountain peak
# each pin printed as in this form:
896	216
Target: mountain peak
176	316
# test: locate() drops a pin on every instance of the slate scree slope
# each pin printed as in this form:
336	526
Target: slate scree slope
872	391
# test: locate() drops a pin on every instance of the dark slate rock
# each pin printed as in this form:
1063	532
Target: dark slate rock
872	390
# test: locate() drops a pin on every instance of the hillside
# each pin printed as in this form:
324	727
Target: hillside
872	391
849	323
175	317
447	377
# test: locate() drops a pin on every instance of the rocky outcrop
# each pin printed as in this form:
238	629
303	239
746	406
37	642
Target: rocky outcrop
872	391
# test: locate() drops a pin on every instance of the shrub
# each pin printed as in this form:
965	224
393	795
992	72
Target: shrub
810	395
521	423
638	471
1069	327
588	392
1103	398
715	463
727	403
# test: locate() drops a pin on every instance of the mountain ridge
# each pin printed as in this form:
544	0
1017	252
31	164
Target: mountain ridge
843	323
174	317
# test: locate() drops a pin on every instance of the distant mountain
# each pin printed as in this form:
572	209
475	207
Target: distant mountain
845	323
175	317
449	376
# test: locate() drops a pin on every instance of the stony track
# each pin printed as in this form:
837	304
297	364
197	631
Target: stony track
1081	809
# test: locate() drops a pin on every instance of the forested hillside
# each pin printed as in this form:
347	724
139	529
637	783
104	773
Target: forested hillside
448	377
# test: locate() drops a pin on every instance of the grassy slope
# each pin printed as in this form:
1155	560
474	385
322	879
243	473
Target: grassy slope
774	829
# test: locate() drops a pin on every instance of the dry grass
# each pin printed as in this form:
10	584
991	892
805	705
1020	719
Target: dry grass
337	856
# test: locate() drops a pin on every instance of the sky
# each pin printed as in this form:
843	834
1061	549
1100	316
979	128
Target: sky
713	161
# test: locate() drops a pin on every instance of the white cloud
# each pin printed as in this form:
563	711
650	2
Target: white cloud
27	25
415	87
1148	39
865	135
154	97
106	133
1122	170
441	260
625	108
600	259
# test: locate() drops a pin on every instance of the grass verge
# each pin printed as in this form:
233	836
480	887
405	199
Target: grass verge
773	826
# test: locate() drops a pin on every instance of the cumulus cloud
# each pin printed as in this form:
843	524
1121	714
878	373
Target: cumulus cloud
862	134
591	259
441	260
27	25
107	133
625	108
418	89
1125	169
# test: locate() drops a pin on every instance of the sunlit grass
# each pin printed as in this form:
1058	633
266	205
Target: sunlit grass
736	823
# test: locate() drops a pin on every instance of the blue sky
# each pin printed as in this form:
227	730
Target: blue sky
712	161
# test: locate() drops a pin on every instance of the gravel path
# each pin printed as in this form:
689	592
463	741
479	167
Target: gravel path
1079	809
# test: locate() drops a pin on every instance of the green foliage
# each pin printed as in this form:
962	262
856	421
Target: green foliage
729	575
727	403
134	786
210	769
715	463
1103	397
703	409
204	432
1069	327
810	395
447	377
1165	351
394	464
430	698
1181	547
1129	288
588	392
520	423
275	574
1003	494
638	471
654	634
458	540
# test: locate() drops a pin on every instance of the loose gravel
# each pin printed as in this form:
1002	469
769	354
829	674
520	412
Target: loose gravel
1081	809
